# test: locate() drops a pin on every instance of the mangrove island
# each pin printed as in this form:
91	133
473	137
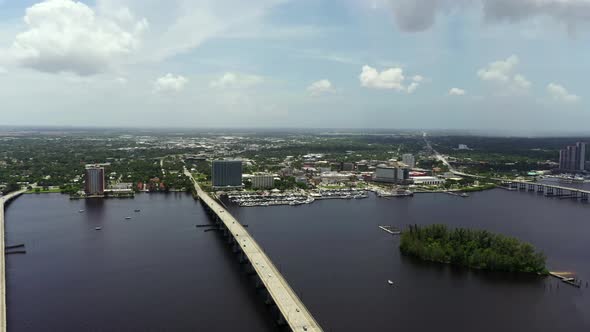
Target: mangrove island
478	249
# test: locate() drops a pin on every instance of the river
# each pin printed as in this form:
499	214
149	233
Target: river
158	272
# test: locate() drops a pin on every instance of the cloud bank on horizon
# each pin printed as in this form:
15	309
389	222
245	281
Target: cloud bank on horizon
296	63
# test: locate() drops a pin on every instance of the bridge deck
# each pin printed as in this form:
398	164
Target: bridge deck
293	310
526	182
4	199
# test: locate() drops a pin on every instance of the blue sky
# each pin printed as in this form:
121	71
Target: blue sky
511	65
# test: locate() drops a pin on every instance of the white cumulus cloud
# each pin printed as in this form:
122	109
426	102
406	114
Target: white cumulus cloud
69	36
502	72
320	87
392	78
559	93
235	80
456	92
170	83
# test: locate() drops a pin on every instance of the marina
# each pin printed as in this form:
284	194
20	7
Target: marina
251	199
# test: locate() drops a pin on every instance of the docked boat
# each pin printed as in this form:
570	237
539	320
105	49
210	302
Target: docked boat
464	195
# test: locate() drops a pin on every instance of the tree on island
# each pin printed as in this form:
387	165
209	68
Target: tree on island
478	249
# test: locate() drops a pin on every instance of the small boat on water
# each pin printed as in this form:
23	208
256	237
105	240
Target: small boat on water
98	228
137	210
80	211
390	282
464	195
127	218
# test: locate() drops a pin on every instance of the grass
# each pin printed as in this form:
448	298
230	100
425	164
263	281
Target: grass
48	191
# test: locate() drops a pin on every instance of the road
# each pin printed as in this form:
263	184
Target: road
3	200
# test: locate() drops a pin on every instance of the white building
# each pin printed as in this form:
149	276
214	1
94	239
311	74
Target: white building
427	180
263	181
409	160
463	147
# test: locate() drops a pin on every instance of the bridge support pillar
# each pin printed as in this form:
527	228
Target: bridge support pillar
548	191
268	300
540	188
258	283
243	258
281	321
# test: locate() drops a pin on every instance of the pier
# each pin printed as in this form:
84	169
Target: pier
566	277
3	200
391	230
292	311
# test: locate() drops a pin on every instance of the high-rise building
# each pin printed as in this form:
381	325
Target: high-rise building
580	156
94	183
226	173
263	181
573	158
409	160
392	174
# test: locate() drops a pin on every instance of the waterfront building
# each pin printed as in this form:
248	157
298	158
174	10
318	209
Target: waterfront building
573	158
580	156
226	173
391	174
263	181
409	160
385	174
427	180
94	183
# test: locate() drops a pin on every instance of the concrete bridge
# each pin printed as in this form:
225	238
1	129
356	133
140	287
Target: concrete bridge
3	200
547	189
278	293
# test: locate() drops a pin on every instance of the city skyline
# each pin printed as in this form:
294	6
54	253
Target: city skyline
488	65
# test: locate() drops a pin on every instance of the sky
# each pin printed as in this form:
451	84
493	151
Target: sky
509	65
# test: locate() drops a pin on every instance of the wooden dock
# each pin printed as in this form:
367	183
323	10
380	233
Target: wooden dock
391	230
567	277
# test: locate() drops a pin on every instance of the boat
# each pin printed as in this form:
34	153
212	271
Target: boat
127	218
80	211
464	195
137	210
390	282
98	228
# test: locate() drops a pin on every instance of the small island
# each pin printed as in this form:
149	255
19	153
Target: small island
478	249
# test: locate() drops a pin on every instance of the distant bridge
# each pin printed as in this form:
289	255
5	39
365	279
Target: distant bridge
4	199
547	189
292	311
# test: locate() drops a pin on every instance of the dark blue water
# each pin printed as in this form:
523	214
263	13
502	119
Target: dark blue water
334	253
157	272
